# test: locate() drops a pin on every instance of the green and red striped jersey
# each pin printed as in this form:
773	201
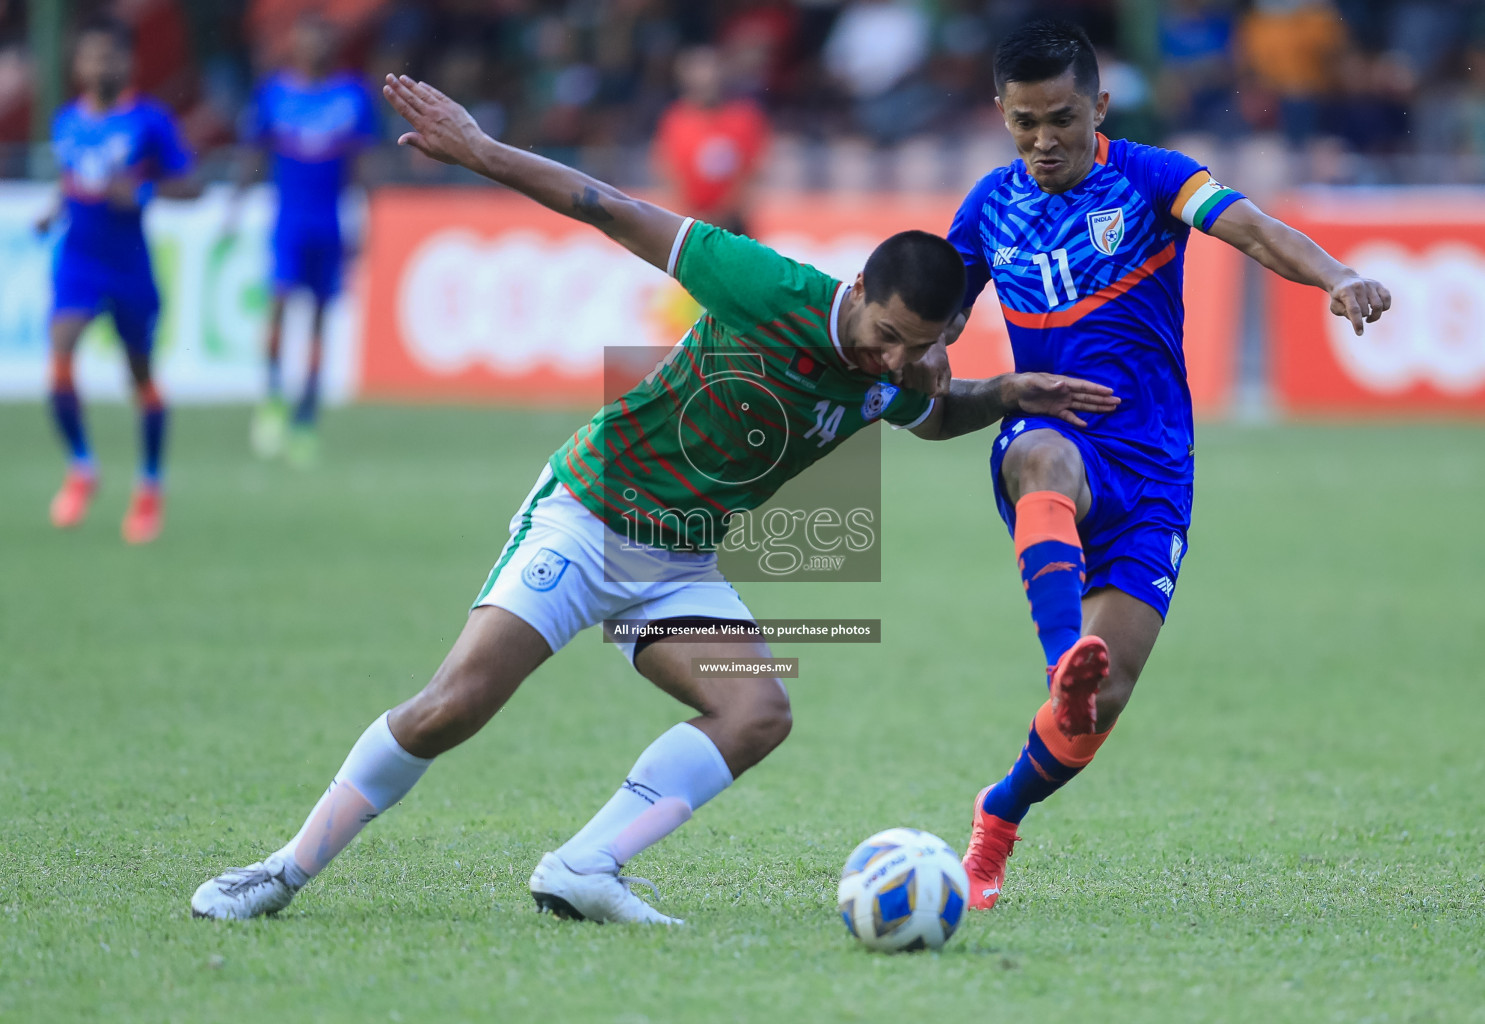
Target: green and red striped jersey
757	391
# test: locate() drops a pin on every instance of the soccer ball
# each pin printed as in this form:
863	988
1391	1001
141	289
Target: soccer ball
903	890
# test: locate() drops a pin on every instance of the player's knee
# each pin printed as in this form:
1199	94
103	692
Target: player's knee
757	725
449	710
1047	464
774	723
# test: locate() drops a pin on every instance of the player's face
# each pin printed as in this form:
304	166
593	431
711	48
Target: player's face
883	337
314	45
102	65
1053	126
699	72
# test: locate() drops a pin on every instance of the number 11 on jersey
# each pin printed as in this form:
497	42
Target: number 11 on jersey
1049	285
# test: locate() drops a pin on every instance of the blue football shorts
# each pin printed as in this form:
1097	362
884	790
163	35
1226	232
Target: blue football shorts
307	258
127	293
1135	533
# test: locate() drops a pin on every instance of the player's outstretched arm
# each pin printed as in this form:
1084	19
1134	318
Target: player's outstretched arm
1292	254
445	131
973	405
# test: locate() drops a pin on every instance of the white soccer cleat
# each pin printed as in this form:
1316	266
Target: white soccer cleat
560	890
243	893
270	429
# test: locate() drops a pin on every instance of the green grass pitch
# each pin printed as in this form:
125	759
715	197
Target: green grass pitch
1287	826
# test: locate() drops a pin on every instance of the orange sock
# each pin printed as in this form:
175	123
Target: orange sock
1048	761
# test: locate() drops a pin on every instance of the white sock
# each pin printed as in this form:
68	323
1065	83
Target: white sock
676	774
377	773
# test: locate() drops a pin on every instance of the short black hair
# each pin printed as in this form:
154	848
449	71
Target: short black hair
924	270
1043	49
108	25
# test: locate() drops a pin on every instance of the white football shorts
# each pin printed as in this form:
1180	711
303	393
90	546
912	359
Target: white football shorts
551	573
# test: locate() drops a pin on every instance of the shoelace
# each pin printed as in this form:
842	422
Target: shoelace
243	879
630	881
993	844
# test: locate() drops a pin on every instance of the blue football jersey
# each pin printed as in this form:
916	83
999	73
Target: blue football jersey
1089	282
314	131
135	140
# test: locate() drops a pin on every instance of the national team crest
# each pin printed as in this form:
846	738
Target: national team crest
1106	230
877	399
545	570
1177	549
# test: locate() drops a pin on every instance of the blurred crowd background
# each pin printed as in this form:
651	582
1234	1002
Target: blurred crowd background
851	94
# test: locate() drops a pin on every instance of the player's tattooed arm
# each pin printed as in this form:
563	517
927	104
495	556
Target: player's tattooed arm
1294	255
973	405
445	131
588	207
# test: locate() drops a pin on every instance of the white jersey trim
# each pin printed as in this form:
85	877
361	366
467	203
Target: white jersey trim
675	247
917	422
840	294
1208	189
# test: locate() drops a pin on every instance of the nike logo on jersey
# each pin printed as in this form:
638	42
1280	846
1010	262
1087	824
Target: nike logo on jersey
1004	255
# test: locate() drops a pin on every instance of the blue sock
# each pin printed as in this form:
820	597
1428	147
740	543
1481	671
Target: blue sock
151	435
275	378
309	403
1051	559
67	413
1038	772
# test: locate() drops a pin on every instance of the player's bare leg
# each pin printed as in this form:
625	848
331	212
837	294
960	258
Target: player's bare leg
70	505
1130	627
146	514
304	444
271	418
740	722
495	652
745	718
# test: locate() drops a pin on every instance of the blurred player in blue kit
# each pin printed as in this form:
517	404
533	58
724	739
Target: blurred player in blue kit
313	122
1084	240
115	150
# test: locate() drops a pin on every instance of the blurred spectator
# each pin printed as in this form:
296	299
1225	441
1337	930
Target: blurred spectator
1371	111
1471	105
15	87
15	95
1197	81
876	53
588	80
708	148
271	24
1131	107
1423	32
163	65
759	38
960	69
1290	48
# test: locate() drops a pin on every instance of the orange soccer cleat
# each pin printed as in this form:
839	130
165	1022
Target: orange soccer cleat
70	506
1075	682
989	848
146	514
